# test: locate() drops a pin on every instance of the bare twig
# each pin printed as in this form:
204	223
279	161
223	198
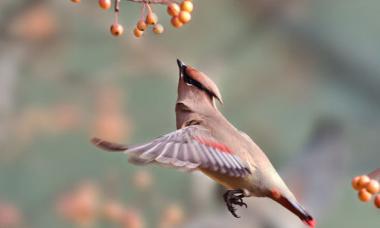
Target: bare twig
164	2
375	174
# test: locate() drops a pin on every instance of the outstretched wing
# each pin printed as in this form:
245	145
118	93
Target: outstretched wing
187	148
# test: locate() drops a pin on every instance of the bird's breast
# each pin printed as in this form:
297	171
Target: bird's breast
231	182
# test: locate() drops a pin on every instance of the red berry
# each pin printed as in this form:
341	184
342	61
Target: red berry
377	201
187	6
141	25
158	29
363	181
184	17
117	29
373	187
173	9
138	33
176	22
364	195
151	19
105	4
355	183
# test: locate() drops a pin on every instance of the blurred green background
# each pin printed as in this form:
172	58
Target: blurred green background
281	66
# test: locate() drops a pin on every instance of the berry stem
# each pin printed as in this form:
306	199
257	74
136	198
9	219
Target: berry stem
116	20
142	16
117	10
117	6
149	8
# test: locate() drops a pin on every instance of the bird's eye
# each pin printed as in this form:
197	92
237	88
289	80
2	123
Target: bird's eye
189	81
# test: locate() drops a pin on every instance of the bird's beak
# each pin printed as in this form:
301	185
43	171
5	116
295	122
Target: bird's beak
181	66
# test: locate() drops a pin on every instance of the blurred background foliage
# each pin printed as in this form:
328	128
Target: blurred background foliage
282	66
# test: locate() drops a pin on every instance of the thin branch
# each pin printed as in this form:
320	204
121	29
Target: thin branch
164	2
375	174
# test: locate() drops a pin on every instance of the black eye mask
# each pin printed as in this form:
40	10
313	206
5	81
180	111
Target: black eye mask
187	78
195	83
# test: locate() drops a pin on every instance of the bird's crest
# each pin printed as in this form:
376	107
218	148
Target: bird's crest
200	80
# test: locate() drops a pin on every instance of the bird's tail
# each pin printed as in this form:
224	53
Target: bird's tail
298	210
109	146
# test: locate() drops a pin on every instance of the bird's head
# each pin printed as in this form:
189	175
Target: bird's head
195	86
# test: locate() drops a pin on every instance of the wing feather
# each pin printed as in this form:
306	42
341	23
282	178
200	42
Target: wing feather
188	149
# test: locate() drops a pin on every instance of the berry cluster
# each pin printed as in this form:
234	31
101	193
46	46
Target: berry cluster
366	188
180	13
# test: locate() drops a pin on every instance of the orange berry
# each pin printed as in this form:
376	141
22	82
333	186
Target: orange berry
187	6
377	201
158	29
184	17
363	181
364	195
173	9
117	29
105	4
373	187
151	19
355	183
138	33
75	1
176	22
141	25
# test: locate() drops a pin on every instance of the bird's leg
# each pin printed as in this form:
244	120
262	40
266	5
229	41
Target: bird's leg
234	197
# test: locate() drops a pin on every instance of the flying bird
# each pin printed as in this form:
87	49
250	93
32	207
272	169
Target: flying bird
206	141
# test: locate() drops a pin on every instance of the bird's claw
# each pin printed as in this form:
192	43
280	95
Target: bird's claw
234	197
232	209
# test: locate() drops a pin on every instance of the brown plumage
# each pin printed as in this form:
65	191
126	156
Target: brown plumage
206	141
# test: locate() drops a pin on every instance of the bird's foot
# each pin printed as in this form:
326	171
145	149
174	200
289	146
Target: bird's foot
232	198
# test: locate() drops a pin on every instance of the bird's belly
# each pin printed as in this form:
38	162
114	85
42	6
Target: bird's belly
229	182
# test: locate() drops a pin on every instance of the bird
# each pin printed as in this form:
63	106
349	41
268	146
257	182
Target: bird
325	149
207	142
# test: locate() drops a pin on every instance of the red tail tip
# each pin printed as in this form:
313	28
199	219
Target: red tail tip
311	223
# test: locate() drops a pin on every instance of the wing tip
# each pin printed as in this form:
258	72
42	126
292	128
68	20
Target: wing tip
108	146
